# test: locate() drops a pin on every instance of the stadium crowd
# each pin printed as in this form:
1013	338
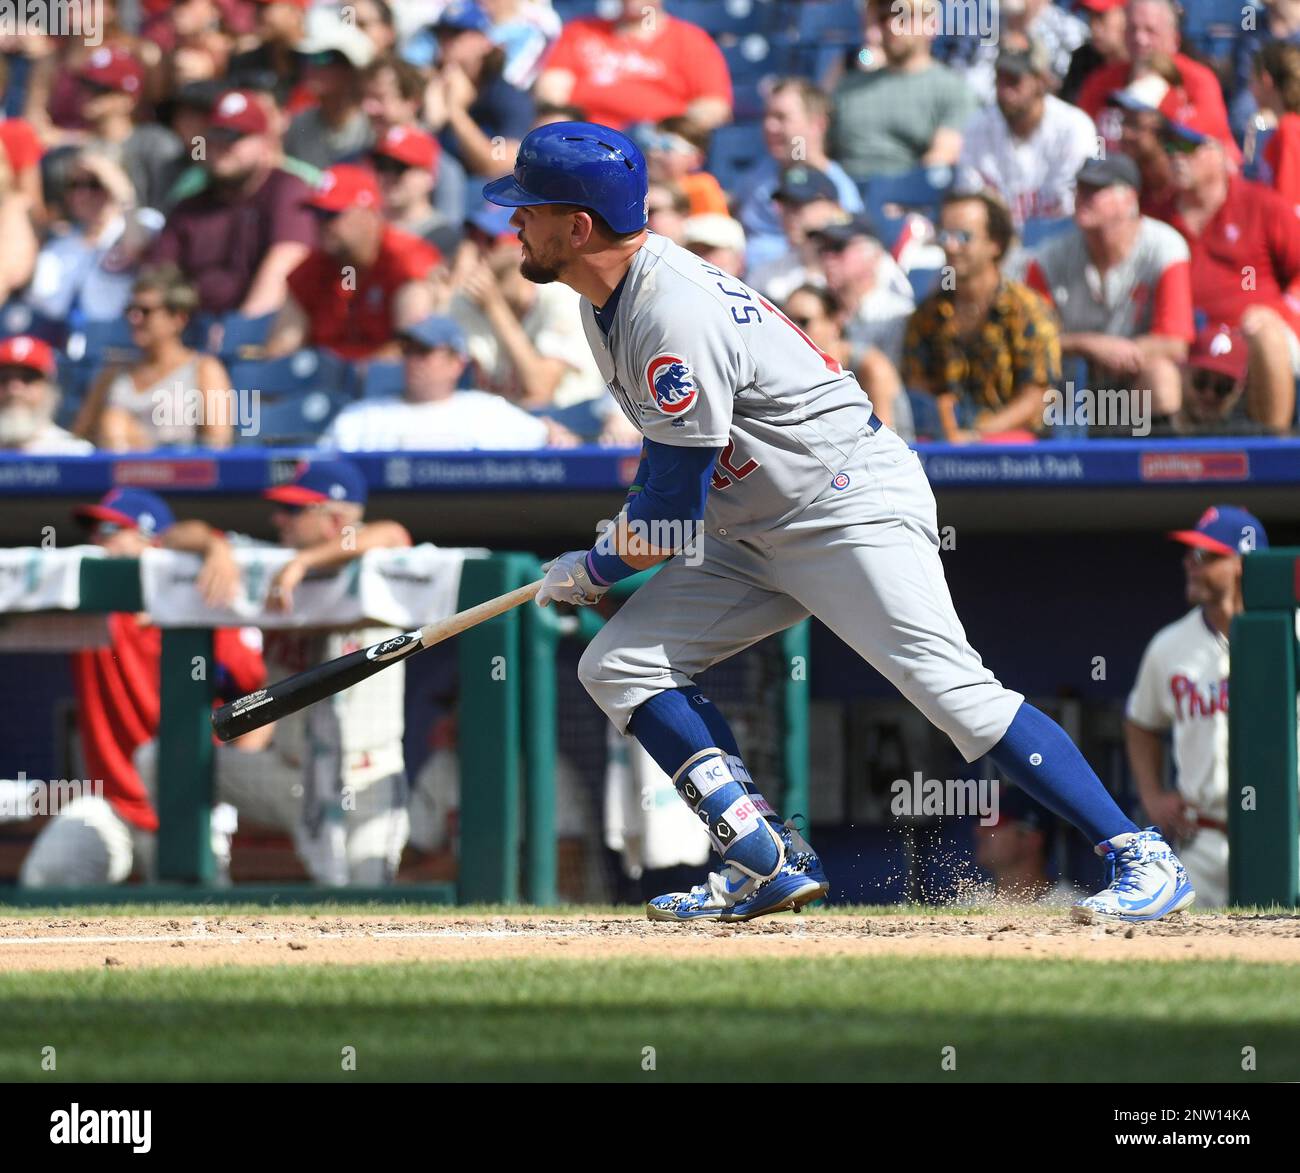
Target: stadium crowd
282	199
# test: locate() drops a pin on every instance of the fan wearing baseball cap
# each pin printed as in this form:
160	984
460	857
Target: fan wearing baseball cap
1233	227
1181	692
29	397
1106	22
101	839
295	772
240	237
367	280
407	162
1214	382
110	82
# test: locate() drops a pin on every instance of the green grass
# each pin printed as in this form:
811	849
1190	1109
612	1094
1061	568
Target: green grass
883	1018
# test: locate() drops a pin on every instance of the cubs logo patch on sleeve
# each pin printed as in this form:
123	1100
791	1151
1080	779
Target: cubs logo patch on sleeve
672	384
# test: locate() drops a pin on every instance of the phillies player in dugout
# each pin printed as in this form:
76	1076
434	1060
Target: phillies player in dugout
798	501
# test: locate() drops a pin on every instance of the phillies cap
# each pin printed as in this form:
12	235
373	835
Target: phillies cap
131	509
1107	172
113	68
1222	350
317	481
1099	5
408	145
804	185
438	330
346	186
239	111
463	16
25	351
1225	529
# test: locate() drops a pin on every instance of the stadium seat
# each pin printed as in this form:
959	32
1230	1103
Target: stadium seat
925	414
837	22
734	151
295	374
585	420
238	331
568	10
298	419
1074	378
921	191
923	282
734	17
383	379
17	317
101	342
755	57
1036	231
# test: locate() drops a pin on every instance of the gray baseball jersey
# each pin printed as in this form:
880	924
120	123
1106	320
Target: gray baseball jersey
696	358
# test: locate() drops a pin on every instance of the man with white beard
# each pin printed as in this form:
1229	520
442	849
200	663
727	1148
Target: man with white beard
29	399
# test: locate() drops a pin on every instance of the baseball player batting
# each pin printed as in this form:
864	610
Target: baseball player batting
806	505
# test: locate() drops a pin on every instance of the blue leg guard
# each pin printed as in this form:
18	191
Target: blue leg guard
675	734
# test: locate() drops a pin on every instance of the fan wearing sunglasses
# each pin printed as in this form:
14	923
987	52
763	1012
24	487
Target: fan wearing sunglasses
1214	383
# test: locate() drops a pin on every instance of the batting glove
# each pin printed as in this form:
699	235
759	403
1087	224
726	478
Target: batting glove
568	581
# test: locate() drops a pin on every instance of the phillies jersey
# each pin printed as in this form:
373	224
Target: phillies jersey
696	358
1182	686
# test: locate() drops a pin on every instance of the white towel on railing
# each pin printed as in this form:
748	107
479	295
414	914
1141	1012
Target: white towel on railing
33	578
405	588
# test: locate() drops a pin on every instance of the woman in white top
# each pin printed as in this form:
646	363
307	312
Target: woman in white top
170	395
89	264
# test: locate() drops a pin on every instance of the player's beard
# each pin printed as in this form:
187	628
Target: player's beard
539	270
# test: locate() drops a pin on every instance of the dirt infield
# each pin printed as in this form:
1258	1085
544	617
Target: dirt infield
41	943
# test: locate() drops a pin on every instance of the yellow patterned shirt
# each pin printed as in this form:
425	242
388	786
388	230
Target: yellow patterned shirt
1017	346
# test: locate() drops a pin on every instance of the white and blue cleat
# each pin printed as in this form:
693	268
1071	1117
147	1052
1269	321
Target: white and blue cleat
1147	881
733	895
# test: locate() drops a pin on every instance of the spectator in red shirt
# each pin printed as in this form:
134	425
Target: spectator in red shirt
405	161
240	238
1276	85
1245	245
366	281
100	838
643	66
1152	37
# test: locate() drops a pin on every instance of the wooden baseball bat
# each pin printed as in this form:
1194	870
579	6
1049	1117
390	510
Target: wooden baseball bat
297	692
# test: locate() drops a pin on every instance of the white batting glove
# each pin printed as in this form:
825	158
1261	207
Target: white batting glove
567	581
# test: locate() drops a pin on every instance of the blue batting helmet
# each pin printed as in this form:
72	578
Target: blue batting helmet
580	163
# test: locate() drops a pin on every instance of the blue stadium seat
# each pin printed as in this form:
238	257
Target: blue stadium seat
755	57
734	151
238	331
837	22
925	414
921	191
298	419
1074	378
1036	231
17	317
584	420
383	379
568	10
100	341
923	282
294	374
734	17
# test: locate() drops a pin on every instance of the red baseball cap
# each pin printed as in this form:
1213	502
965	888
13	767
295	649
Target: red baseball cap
345	186
408	145
114	68
1099	5
1222	350
303	4
24	351
239	111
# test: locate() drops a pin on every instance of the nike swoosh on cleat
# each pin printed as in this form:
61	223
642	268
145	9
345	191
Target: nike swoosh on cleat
1134	905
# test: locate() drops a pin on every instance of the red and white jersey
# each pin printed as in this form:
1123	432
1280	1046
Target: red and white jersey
1035	175
1182	687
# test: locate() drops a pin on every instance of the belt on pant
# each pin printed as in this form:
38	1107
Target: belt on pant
1212	824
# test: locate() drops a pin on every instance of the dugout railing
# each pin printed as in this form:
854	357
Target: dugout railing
507	720
1263	805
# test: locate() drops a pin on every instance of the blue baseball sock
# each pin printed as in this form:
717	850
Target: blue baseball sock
690	741
1036	753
